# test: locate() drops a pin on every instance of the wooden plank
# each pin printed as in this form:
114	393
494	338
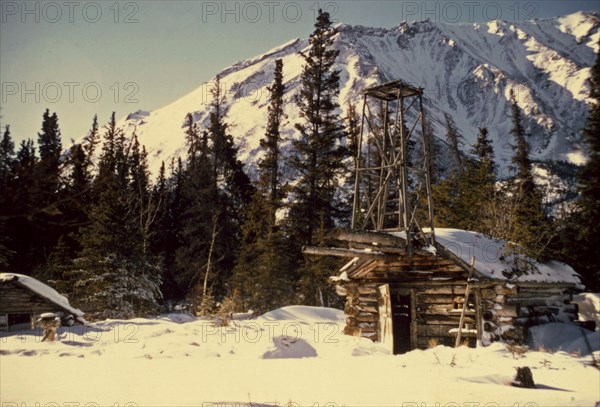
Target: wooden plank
414	279
445	320
413	318
385	318
365	270
408	269
367	289
368	237
503	289
454	289
527	302
436	299
401	252
336	252
435	330
478	316
412	282
487	294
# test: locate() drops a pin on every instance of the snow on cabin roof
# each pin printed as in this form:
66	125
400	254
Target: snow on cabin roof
44	291
494	261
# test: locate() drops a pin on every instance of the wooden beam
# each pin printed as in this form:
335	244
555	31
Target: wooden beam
400	251
334	251
369	237
413	319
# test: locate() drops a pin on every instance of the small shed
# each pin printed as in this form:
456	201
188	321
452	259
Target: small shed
23	299
466	285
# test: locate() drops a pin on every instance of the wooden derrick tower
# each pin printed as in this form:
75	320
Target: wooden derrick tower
388	186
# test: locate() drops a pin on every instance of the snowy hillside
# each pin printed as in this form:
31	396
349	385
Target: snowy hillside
293	356
465	69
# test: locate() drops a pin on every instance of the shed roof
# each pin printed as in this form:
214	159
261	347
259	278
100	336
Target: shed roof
493	259
44	291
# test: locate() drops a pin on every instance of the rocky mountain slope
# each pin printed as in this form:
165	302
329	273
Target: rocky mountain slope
466	70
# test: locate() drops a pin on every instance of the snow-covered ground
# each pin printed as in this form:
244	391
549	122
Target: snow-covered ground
293	356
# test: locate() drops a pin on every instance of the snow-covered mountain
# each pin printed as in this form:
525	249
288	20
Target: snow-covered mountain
466	70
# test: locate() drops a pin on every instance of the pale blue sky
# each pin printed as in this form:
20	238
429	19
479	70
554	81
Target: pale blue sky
145	54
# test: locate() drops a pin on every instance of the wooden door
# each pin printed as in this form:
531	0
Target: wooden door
386	335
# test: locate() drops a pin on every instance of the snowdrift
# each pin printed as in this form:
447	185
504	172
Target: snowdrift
295	355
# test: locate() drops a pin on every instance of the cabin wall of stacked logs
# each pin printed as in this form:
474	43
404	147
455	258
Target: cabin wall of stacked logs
18	300
507	313
504	312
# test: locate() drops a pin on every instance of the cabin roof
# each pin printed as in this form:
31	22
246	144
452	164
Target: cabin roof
492	260
44	291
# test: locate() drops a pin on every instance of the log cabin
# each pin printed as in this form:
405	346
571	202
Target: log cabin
466	288
23	299
409	286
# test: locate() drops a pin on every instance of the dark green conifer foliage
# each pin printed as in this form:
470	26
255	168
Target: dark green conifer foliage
89	145
317	157
468	200
481	185
269	166
583	253
196	188
7	164
528	221
263	276
47	171
353	122
7	158
449	196
214	192
318	154
115	273
454	140
24	172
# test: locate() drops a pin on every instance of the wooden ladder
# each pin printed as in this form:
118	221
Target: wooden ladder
465	304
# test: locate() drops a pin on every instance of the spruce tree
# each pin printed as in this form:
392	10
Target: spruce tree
263	277
47	171
467	201
107	163
75	205
7	163
21	205
528	221
451	208
587	220
89	144
215	190
7	157
115	274
269	165
24	171
352	122
478	185
317	155
454	140
196	205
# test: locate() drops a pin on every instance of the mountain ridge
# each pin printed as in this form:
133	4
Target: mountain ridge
466	70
